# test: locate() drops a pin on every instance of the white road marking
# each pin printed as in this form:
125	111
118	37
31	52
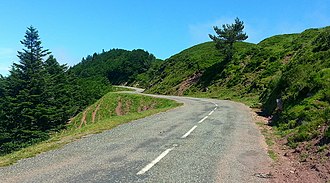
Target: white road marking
161	156
191	130
212	111
150	165
203	119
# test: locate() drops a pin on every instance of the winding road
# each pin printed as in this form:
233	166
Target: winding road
205	140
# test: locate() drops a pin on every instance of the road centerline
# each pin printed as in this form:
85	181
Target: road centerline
203	119
155	161
188	133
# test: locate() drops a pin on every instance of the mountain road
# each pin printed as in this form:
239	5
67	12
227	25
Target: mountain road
205	140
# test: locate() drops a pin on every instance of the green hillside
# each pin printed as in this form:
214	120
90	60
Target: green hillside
118	105
293	67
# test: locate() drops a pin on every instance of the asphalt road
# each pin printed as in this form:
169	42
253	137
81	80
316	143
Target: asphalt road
203	141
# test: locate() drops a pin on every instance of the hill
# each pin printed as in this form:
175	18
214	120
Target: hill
292	68
117	66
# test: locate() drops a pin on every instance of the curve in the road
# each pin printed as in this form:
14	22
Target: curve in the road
205	140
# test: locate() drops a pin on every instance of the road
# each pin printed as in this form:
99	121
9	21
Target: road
204	140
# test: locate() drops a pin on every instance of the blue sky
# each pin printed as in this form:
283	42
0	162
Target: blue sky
72	29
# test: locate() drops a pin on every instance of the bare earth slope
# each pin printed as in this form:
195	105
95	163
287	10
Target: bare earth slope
203	141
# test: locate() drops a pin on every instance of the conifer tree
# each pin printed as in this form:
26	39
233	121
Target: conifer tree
227	36
27	89
2	103
61	98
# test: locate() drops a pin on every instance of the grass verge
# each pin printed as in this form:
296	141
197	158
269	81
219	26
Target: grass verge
269	139
133	107
118	89
220	93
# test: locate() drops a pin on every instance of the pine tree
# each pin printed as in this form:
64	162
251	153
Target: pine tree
5	136
227	36
2	103
27	90
61	99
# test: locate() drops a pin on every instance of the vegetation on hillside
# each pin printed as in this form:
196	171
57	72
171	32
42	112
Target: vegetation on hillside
293	68
116	66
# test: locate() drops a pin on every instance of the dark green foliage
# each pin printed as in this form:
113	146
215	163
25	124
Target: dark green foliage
39	96
130	64
27	88
227	36
144	79
26	111
3	103
117	66
62	98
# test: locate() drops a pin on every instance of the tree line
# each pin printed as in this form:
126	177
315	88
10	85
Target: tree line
39	96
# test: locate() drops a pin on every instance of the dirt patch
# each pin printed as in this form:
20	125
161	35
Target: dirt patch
95	112
128	105
184	85
83	119
287	58
71	120
305	164
143	108
119	110
146	107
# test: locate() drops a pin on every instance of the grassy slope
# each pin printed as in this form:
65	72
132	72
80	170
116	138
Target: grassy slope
294	67
133	107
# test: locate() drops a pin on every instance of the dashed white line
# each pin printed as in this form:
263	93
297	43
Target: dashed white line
212	111
150	165
203	119
191	130
161	156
